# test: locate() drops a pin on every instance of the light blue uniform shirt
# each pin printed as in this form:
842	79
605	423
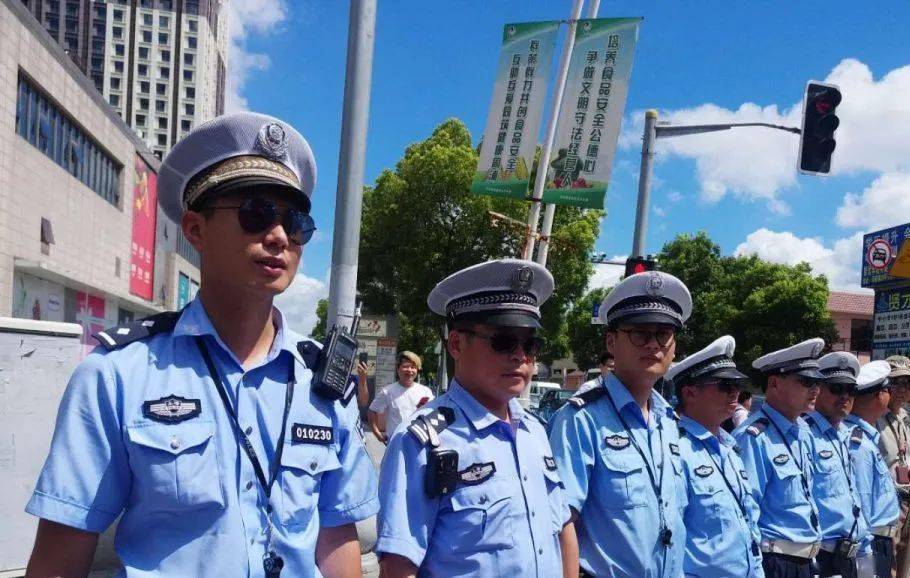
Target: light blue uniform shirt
877	494
778	464
832	483
607	483
722	516
505	522
190	500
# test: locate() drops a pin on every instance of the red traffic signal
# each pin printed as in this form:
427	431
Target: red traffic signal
640	265
817	142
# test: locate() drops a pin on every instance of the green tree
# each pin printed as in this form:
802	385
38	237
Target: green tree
421	223
586	340
322	312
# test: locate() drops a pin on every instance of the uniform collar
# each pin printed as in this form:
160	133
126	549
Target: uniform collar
621	397
780	421
864	425
701	432
821	421
479	416
195	321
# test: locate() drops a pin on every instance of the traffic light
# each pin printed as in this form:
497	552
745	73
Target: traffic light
640	265
819	123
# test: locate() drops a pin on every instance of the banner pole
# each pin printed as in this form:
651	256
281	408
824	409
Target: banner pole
544	248
555	105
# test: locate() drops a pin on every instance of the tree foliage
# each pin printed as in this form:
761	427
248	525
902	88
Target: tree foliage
585	339
421	223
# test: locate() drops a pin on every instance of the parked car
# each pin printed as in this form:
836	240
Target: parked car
551	401
536	389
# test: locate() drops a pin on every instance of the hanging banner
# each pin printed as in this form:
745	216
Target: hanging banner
513	122
142	252
591	111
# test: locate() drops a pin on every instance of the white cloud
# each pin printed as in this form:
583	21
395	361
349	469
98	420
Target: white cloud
759	163
298	302
837	262
607	275
674	196
247	17
885	203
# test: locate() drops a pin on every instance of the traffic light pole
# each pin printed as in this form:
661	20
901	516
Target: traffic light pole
654	131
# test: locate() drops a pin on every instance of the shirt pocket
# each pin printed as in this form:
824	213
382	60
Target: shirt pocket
556	497
302	467
176	467
883	481
788	489
481	518
828	478
705	512
625	482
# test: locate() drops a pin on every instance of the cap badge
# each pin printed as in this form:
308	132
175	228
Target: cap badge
842	363
522	279
655	285
272	140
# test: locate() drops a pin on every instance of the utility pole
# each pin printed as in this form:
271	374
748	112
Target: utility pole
349	196
544	162
550	212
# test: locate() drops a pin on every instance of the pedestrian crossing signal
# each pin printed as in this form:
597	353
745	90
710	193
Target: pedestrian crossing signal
640	265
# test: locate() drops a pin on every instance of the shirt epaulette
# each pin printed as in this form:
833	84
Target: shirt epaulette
590	396
856	436
438	419
757	427
309	351
120	335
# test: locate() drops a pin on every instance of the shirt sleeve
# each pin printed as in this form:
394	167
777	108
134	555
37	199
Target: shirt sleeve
381	401
863	468
573	440
348	494
86	478
756	467
407	515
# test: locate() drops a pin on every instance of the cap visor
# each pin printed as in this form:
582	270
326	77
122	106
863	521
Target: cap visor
259	185
840	380
811	374
653	317
728	374
503	319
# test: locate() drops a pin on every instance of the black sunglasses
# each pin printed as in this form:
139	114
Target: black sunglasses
642	337
257	215
508	343
841	389
727	386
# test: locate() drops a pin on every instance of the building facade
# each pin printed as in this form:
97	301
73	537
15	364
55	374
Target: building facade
161	64
852	314
82	238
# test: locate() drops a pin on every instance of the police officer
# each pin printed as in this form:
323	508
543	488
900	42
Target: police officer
722	538
893	444
845	533
878	496
470	487
775	450
202	427
617	444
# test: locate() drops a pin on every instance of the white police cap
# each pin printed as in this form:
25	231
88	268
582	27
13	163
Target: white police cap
651	297
873	377
506	292
713	362
839	367
234	152
801	359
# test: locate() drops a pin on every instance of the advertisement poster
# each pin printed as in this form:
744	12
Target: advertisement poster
513	122
891	328
591	112
386	352
142	254
90	314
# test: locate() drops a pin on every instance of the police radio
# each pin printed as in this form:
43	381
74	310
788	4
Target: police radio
336	362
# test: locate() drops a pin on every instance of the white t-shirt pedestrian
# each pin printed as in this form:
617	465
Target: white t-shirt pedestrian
399	402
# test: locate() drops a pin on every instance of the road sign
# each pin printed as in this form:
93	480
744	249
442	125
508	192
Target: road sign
886	257
891	328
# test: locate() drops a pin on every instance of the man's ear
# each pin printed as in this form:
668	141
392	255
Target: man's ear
193	225
455	344
610	342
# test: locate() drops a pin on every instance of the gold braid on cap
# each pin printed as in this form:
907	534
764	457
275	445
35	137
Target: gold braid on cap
236	168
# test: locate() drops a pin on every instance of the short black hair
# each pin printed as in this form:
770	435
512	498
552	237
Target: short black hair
744	395
605	357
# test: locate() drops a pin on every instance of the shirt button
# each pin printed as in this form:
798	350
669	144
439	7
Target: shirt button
175	443
525	478
249	485
249	430
540	551
532	513
483	499
313	465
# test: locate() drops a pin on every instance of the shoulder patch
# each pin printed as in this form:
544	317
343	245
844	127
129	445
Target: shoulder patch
757	427
438	419
120	335
587	397
856	436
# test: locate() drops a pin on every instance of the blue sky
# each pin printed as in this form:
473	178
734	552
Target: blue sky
695	62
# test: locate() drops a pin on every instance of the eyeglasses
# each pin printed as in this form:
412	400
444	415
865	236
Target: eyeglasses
806	382
727	386
256	215
841	389
508	343
642	337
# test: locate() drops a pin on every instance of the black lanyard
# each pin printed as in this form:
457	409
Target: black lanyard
244	439
656	482
799	463
848	470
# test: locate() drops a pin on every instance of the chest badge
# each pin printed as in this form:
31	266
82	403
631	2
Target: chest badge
304	433
674	449
704	471
550	463
477	473
781	459
617	442
825	454
171	409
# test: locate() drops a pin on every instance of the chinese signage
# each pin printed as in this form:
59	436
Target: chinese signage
513	123
591	111
183	291
386	354
891	333
371	327
886	257
142	254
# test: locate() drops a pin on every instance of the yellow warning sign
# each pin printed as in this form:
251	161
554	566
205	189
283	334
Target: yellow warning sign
901	265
